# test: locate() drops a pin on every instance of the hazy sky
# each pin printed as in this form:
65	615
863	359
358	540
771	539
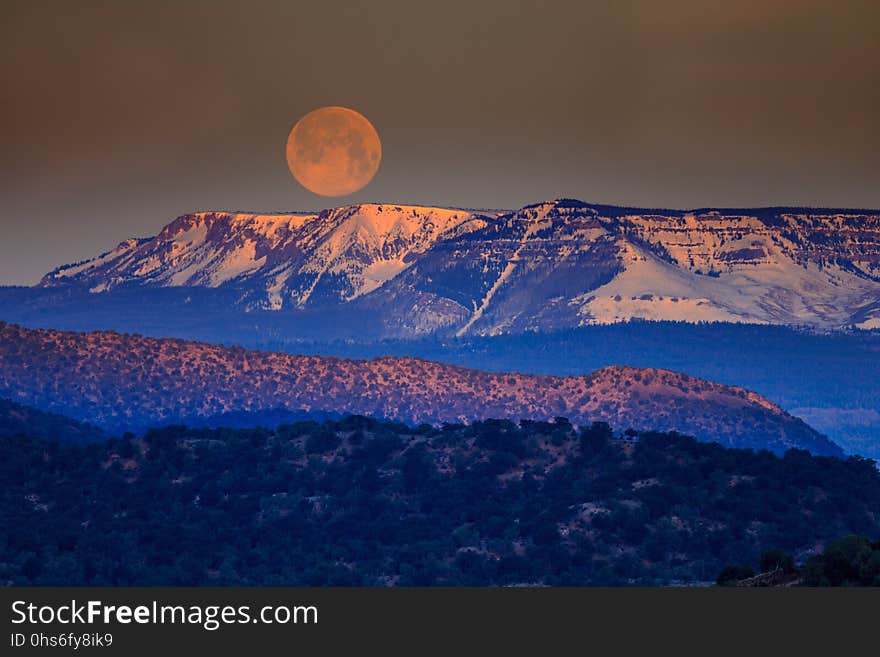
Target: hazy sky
118	116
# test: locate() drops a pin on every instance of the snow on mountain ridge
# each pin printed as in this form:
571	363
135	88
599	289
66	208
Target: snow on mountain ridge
548	265
371	243
366	244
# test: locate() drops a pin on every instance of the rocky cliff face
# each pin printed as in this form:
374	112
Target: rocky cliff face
130	382
419	270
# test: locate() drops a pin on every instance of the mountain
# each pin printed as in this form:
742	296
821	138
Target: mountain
129	382
404	271
19	420
829	380
286	260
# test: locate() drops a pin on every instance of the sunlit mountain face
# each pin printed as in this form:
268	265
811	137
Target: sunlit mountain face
125	382
418	270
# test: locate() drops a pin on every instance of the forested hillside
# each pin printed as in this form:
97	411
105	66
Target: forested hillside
363	502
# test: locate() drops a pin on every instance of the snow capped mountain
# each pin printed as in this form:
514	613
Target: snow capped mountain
420	270
563	264
287	260
794	268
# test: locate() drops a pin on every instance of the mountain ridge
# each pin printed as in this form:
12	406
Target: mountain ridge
131	382
419	270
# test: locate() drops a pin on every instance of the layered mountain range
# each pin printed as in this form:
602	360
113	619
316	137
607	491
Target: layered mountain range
412	270
122	382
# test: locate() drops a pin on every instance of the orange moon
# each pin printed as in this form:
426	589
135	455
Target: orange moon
333	151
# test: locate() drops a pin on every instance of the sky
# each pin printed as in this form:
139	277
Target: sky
117	117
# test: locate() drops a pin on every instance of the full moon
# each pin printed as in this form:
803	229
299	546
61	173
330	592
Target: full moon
333	151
